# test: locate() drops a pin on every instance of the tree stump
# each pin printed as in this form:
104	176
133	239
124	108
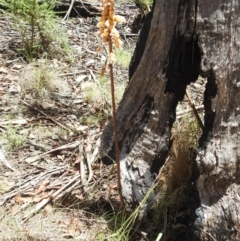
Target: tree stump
180	41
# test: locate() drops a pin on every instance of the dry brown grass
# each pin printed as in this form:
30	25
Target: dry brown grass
175	177
41	81
61	224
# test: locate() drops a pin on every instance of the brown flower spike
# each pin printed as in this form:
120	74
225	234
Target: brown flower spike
107	24
109	33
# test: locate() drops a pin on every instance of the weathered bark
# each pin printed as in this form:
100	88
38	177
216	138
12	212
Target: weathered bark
186	38
218	159
147	110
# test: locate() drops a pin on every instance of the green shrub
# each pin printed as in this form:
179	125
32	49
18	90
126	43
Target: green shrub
35	20
123	57
13	140
145	5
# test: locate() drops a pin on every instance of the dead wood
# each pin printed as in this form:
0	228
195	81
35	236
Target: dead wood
77	7
180	41
51	197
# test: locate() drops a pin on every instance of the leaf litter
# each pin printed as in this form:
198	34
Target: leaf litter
51	169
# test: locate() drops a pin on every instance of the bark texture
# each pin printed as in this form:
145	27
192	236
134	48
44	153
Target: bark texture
161	69
218	29
186	38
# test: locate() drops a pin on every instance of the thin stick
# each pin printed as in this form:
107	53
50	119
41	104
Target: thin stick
26	185
115	126
194	110
69	11
44	202
56	122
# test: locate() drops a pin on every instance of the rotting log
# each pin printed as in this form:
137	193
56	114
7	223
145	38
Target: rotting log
84	9
180	41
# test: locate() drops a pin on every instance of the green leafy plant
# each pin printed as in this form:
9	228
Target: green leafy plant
13	140
145	5
39	31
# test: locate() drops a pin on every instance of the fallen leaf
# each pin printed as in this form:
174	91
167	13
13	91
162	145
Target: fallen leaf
74	227
33	159
80	78
19	199
17	66
113	186
47	210
15	209
82	128
13	78
42	187
38	199
90	62
3	70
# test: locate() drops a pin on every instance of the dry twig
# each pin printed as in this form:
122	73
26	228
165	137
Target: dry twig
50	118
44	202
194	110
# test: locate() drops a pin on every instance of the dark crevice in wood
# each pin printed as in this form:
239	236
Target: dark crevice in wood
140	45
209	94
138	23
160	158
182	69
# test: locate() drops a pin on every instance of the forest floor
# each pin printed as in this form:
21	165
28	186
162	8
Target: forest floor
52	113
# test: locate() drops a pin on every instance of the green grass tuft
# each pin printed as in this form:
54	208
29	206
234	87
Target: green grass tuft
123	57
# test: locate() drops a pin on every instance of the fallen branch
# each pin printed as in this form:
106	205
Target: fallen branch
32	159
50	118
87	151
4	160
68	190
179	114
41	146
51	197
69	11
72	73
28	184
63	147
82	167
14	122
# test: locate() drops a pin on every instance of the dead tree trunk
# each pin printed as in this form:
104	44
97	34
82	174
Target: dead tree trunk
181	40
